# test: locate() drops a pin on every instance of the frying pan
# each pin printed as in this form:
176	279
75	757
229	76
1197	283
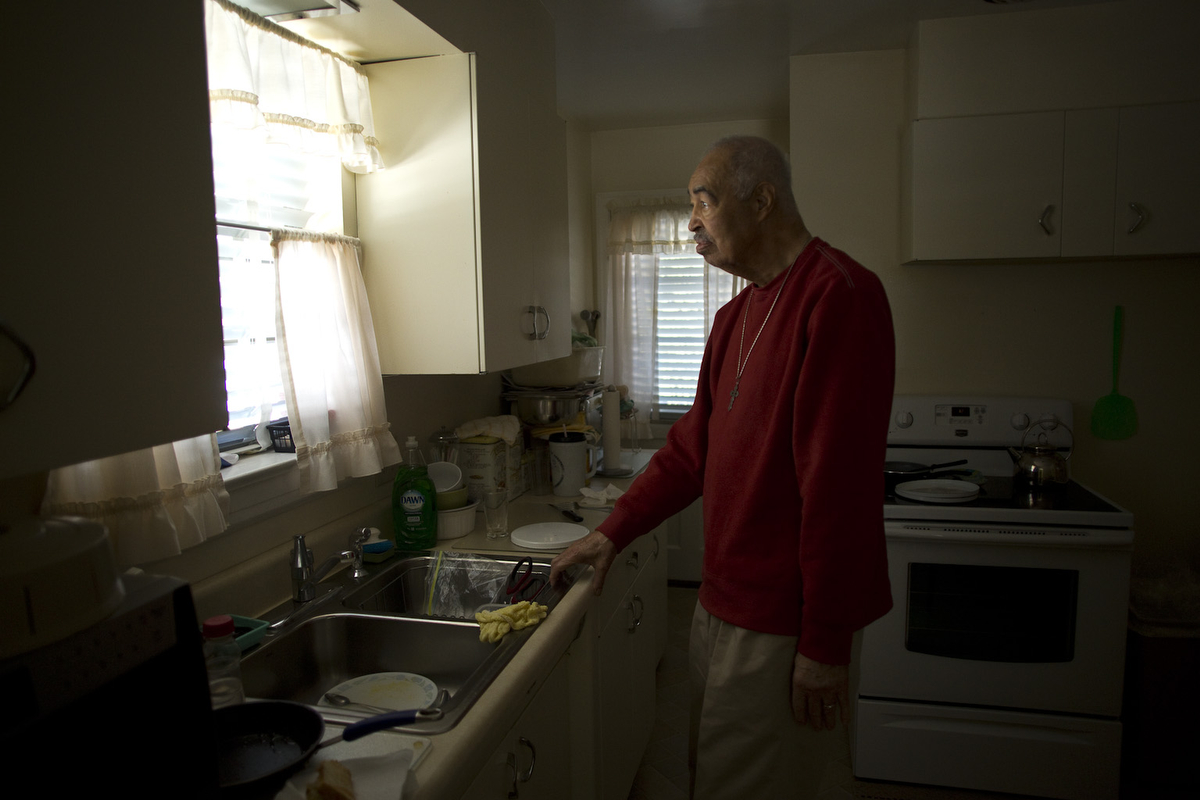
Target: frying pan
260	743
895	472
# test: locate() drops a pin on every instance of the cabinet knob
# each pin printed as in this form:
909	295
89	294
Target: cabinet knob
633	559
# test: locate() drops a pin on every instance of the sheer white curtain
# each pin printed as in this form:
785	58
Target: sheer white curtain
155	502
640	231
263	77
329	361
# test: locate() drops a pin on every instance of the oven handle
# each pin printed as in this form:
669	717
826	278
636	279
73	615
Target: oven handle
1036	537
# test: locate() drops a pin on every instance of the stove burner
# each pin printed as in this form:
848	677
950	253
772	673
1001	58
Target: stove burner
1008	493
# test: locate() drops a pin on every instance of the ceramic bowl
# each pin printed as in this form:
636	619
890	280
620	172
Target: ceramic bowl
445	476
448	501
456	523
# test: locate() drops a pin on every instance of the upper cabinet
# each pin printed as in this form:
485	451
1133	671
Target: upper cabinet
1075	184
111	273
465	232
1157	207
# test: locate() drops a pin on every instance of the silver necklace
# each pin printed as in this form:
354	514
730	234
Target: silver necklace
741	365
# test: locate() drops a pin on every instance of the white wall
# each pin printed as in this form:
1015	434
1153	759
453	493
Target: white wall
1032	328
646	159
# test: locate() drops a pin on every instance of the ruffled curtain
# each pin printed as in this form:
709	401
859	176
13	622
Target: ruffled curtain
641	230
329	361
264	78
155	502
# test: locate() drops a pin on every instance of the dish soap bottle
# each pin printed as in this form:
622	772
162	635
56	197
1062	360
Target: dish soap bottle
414	502
222	659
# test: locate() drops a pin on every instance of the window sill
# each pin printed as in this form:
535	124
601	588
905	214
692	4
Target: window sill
260	485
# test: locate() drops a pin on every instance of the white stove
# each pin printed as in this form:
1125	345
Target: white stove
1000	665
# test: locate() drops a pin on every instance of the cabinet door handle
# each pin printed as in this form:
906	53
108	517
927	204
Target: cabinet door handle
527	775
656	546
1044	220
532	311
535	311
636	609
518	776
1141	217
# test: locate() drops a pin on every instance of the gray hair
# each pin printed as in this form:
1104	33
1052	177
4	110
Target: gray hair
754	160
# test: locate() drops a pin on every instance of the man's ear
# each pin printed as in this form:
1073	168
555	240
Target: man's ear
764	199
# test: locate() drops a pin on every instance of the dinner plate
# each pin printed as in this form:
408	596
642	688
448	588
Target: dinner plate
547	535
399	691
938	490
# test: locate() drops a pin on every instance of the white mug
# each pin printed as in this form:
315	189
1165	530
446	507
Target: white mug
572	462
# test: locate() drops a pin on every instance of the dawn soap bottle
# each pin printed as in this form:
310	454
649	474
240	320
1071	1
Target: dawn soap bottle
414	502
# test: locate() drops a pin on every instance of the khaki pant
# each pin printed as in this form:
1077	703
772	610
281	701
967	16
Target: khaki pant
744	741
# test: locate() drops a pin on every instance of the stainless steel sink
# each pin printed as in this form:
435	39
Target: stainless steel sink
384	624
461	583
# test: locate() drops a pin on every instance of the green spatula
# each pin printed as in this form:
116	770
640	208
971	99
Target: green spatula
1113	416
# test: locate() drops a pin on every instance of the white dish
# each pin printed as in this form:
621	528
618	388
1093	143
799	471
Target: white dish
938	490
547	535
457	522
399	691
446	477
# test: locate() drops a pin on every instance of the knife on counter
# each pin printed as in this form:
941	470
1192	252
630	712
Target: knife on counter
566	512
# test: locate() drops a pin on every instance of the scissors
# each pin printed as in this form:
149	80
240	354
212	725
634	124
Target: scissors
519	582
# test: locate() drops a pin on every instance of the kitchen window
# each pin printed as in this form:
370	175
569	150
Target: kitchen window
259	186
662	299
683	319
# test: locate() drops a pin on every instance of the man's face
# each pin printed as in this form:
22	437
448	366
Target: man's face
722	224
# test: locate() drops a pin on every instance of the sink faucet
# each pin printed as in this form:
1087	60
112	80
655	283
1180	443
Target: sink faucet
305	578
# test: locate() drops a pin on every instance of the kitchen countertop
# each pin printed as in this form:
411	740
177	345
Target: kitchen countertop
454	757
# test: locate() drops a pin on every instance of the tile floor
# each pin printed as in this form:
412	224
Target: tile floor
663	774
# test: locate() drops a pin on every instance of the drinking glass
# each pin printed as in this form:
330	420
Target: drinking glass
495	513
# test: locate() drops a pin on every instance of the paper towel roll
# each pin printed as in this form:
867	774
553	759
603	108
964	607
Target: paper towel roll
610	411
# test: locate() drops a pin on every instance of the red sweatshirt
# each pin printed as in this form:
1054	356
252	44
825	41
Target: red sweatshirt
792	474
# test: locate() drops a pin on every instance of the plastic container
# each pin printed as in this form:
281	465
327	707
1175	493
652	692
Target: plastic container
414	502
222	659
281	436
248	632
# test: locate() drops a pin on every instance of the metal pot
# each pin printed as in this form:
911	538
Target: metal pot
1041	464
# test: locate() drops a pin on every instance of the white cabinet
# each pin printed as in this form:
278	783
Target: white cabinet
111	271
465	231
534	760
1158	180
613	668
1073	184
987	187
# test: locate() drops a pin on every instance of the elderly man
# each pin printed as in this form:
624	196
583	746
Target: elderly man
785	442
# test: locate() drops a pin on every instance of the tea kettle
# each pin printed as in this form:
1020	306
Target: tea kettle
1040	463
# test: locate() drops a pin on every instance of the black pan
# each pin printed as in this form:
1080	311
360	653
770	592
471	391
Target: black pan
895	472
260	743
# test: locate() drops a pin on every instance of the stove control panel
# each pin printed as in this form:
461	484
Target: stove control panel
942	421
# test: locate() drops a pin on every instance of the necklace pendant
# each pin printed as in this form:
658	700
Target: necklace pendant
732	396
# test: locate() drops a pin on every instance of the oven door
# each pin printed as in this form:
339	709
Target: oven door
1020	619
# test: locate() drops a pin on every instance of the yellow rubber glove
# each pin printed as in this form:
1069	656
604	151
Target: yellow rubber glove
493	625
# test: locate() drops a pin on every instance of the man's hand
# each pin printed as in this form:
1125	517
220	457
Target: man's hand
595	549
820	692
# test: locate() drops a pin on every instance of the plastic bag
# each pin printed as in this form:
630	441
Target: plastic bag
459	584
